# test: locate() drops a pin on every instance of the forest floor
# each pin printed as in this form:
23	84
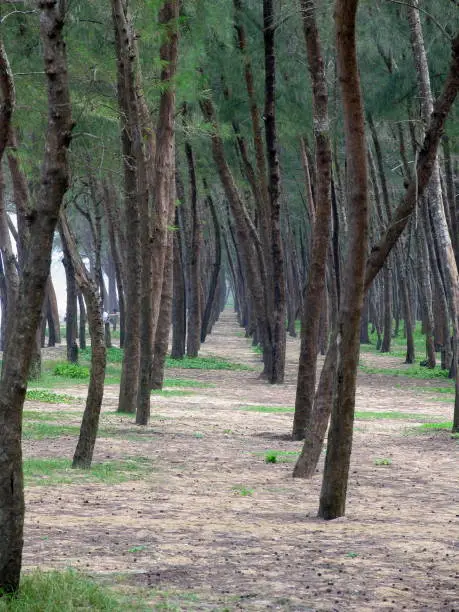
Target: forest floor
201	521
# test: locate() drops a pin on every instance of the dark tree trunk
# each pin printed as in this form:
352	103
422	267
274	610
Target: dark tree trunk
13	385
109	202
53	316
82	308
211	296
90	289
179	301
131	139
334	484
165	317
194	263
164	191
71	309
276	269
313	299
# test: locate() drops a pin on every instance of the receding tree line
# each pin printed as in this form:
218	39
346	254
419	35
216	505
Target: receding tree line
206	163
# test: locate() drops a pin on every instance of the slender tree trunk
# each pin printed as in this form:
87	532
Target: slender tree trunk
90	289
179	300
13	384
82	308
277	267
206	318
313	299
194	263
335	479
164	176
401	215
131	139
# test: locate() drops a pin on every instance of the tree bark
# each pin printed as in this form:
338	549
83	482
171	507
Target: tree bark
90	289
335	479
164	176
131	139
13	384
313	299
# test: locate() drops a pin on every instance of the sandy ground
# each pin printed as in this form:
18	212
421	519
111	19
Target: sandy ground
217	527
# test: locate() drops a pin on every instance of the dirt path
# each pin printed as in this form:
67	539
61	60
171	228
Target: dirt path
218	528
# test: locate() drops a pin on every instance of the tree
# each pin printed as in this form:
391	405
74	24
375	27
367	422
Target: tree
13	383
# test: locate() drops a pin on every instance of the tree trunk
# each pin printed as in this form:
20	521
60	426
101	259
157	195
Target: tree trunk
194	263
277	267
82	308
90	289
131	139
334	484
164	176
211	296
313	299
179	300
53	315
13	385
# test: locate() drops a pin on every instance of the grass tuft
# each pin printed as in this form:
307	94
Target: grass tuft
256	408
54	471
65	591
205	363
48	397
71	370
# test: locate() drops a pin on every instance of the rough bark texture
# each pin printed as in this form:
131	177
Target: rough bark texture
163	177
335	479
276	267
179	301
206	318
131	145
194	263
313	299
89	287
13	384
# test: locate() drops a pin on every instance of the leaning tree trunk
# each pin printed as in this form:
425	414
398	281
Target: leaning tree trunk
164	177
131	146
90	289
13	384
313	299
407	205
72	299
334	484
434	193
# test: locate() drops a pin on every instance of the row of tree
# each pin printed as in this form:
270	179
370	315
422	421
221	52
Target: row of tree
195	173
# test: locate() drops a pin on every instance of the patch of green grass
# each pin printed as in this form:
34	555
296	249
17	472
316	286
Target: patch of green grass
394	415
42	395
55	471
171	393
243	491
205	363
40	431
55	415
65	591
114	354
279	456
255	408
136	549
448	425
412	372
71	370
380	462
185	382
